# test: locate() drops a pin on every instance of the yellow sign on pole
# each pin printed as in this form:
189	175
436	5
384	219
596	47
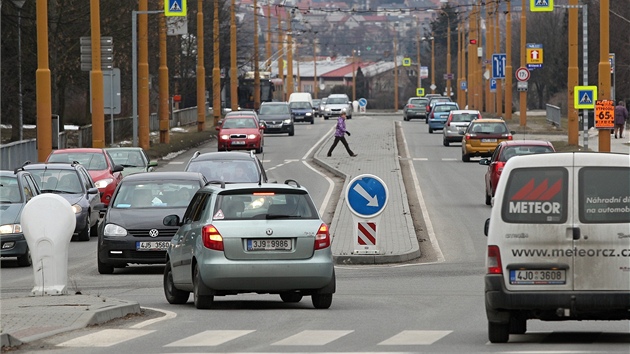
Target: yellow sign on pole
174	7
604	114
584	97
419	91
406	62
540	5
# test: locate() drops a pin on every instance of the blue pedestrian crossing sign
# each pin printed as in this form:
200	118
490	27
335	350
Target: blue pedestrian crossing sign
419	91
366	196
175	7
540	5
463	85
584	97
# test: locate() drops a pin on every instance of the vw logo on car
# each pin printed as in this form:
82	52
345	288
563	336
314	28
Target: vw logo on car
154	233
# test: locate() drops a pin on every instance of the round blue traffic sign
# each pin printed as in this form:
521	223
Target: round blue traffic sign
366	196
362	102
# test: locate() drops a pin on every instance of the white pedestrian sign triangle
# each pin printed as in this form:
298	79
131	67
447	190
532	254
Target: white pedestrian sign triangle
586	98
541	3
175	7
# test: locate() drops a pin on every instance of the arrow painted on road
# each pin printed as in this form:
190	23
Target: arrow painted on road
372	200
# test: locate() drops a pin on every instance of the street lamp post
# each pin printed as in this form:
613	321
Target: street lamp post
19	4
432	39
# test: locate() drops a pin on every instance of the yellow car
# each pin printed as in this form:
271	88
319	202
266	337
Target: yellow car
483	136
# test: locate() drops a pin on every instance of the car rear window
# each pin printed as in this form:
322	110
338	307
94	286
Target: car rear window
90	160
158	194
226	170
604	194
464	117
512	151
489	128
260	204
536	196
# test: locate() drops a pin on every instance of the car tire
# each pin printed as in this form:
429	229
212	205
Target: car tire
259	150
445	142
173	295
202	302
430	130
86	233
291	297
498	332
312	120
426	120
104	268
322	301
25	259
465	157
518	325
94	231
405	118
325	118
292	132
488	198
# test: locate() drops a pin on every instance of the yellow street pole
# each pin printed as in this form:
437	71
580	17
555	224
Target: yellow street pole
395	75
508	60
603	91
489	50
233	69
472	57
448	56
256	69
163	112
281	56
143	75
289	57
315	85
98	105
201	71
478	59
459	65
523	94
432	62
572	78
43	84
216	70
418	56
268	49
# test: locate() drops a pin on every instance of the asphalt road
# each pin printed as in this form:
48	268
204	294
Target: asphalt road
415	307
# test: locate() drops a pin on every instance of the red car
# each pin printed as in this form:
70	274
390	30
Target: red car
504	151
100	166
240	133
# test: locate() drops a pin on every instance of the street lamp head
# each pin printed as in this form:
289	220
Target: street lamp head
18	3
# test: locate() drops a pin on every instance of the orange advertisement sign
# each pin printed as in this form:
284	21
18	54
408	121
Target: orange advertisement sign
604	114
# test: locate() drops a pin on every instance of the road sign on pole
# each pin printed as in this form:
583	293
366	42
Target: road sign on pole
540	5
534	55
366	197
498	66
174	7
522	74
584	97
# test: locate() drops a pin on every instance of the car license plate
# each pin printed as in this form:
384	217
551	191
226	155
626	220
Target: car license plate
488	140
538	277
274	125
152	246
269	244
238	143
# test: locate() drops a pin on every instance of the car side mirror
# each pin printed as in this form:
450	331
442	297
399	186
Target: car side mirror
101	208
462	133
485	162
118	168
486	226
153	163
93	190
217	128
512	132
171	220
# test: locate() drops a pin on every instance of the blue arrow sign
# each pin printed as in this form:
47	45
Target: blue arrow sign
362	102
366	196
498	66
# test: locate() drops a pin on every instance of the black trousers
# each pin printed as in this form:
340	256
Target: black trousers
344	142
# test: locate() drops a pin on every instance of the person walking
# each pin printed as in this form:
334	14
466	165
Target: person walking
339	135
621	115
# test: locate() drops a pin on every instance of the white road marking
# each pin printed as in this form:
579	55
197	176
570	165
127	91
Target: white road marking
449	159
176	162
167	316
423	207
312	338
105	338
415	338
331	183
208	338
420	159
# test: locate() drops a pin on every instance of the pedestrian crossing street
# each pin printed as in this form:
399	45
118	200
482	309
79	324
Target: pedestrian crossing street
214	338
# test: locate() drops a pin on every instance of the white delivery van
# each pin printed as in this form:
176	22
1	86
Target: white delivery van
558	241
301	105
301	97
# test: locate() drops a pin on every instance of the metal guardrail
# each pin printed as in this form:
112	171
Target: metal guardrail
12	155
553	115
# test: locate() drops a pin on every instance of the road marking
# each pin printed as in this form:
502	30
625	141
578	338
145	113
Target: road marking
167	316
449	159
415	338
209	338
176	163
312	338
423	207
420	159
105	338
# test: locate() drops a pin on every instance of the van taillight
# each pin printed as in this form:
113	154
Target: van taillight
509	137
494	260
322	239
411	106
211	237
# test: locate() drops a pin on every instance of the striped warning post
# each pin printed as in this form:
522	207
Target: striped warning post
367	233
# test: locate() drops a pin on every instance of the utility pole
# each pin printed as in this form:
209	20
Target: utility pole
289	55
523	94
268	50
418	56
216	70
315	85
164	109
201	71
497	44
354	77
233	69
472	57
143	75
395	74
256	69
281	55
604	67
432	62
448	56
572	78
508	59
489	50
98	104
43	84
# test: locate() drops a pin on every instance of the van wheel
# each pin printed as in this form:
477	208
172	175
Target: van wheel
201	301
498	332
430	130
465	157
518	325
445	142
488	199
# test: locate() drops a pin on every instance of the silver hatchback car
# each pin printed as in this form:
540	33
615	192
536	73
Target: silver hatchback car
241	238
457	122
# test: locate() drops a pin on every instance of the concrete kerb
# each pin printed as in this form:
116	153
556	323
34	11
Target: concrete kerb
368	259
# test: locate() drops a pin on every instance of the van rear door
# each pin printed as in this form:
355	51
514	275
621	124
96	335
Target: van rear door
602	259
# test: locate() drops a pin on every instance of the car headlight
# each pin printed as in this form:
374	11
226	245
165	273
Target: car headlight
114	230
327	109
308	114
287	121
225	137
76	208
252	136
10	229
103	183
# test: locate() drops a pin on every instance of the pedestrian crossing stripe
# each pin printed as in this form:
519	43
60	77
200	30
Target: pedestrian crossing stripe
175	7
541	5
584	97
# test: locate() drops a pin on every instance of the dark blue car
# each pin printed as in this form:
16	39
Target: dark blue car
302	112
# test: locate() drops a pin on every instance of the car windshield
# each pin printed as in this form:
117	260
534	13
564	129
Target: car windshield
337	100
127	158
418	101
155	194
265	205
92	161
463	117
489	128
445	108
512	151
300	105
236	123
230	171
9	190
274	109
57	181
